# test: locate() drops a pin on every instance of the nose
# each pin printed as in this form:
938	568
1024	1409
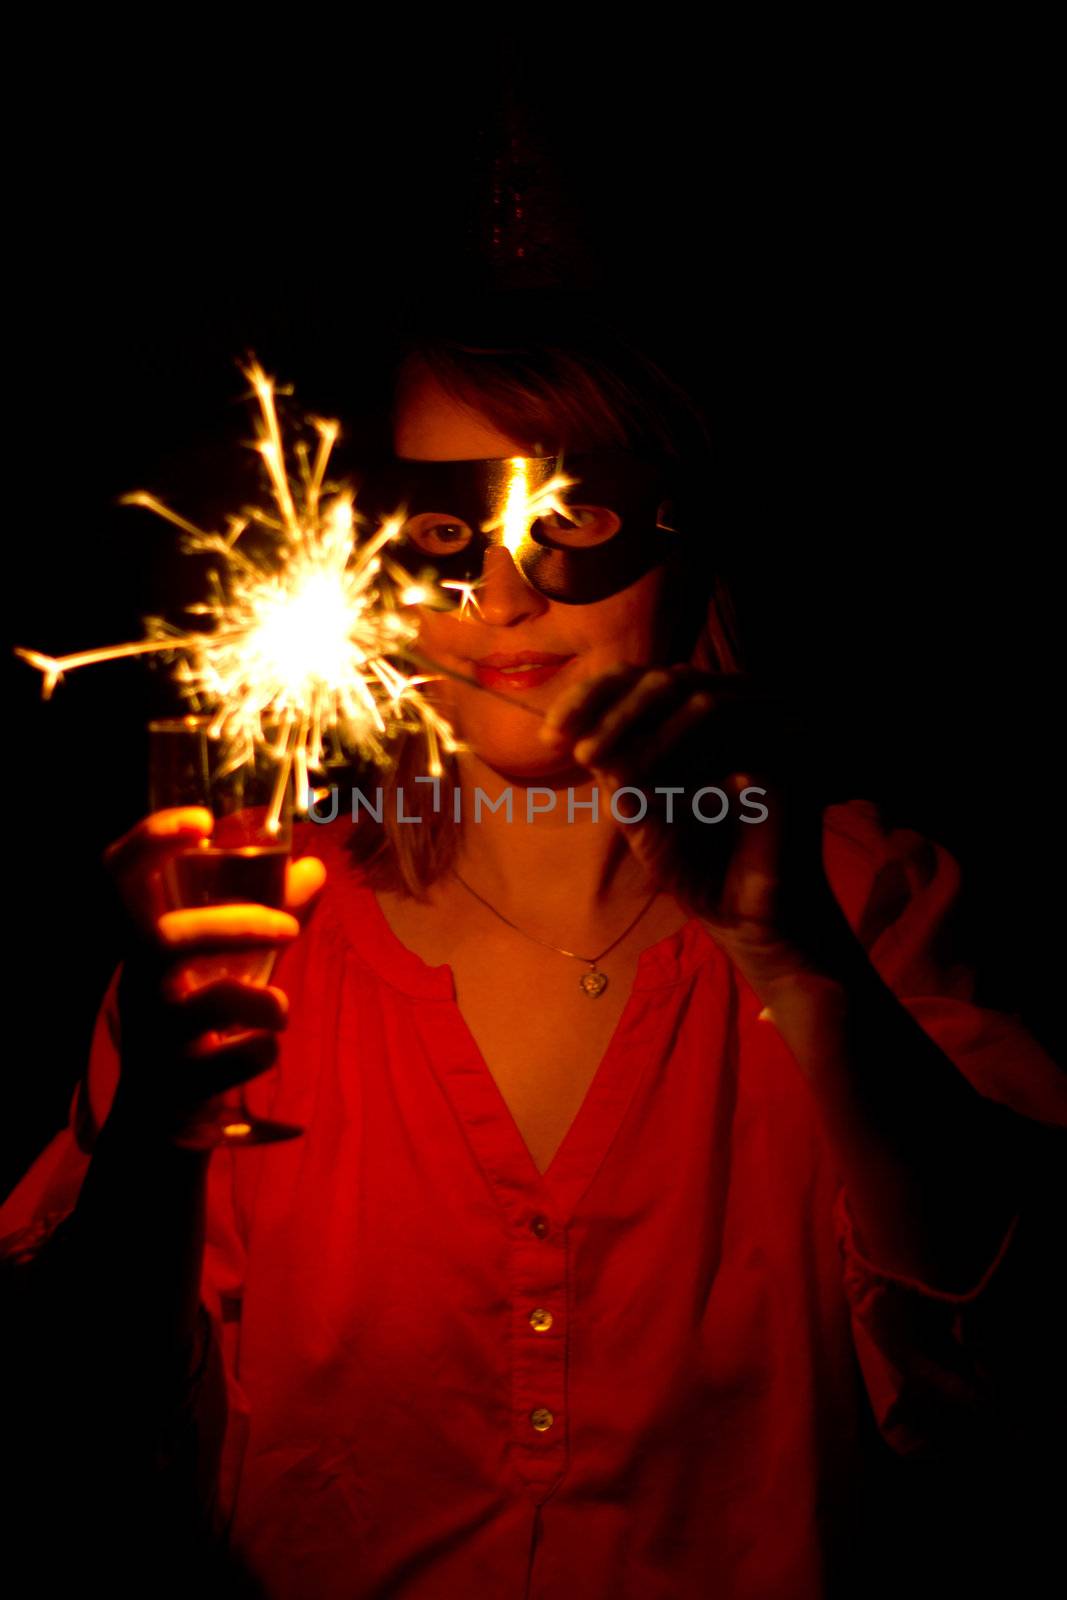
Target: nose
504	597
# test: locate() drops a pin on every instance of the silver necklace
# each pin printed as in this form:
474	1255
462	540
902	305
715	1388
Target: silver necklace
593	983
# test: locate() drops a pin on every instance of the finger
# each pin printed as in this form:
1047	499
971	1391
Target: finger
303	882
138	860
224	928
646	703
716	731
671	734
755	865
577	706
157	836
223	1061
226	1003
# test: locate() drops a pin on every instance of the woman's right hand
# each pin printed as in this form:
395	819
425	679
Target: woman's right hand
178	1045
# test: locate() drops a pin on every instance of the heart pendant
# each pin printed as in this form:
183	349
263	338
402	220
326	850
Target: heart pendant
594	983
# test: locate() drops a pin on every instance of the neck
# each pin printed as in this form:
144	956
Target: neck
552	848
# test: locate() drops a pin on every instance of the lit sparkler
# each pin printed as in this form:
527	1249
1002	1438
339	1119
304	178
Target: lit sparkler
297	650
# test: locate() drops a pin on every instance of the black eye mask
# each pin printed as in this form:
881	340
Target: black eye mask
605	537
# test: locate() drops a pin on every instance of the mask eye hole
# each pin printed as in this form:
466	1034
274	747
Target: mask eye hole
436	533
581	527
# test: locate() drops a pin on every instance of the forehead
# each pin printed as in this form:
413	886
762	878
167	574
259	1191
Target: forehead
431	425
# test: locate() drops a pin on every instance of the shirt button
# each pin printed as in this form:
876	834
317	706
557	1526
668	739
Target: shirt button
540	1320
542	1419
539	1226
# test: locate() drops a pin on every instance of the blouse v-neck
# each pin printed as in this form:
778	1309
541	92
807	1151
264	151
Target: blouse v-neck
637	1044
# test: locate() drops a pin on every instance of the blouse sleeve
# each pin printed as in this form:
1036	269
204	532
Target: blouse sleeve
945	1370
207	1423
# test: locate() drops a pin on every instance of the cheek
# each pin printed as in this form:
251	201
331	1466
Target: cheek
628	623
438	641
443	637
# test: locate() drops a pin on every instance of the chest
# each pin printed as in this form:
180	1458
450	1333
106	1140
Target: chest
542	1037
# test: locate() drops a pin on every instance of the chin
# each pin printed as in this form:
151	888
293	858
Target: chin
551	774
519	761
511	747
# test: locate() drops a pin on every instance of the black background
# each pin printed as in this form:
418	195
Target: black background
846	242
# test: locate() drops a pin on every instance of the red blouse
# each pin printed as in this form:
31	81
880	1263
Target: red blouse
635	1375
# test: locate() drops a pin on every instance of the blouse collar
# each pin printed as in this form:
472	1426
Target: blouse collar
352	905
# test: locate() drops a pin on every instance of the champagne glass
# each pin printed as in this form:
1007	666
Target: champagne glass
244	860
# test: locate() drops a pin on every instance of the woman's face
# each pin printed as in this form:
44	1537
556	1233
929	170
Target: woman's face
515	640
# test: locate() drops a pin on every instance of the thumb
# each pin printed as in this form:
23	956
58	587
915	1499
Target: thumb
303	884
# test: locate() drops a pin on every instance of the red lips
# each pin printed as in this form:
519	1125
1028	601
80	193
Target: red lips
521	658
520	669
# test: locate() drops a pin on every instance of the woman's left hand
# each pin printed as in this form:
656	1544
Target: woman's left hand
744	855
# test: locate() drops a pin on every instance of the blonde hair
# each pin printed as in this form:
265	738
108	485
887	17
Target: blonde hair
568	379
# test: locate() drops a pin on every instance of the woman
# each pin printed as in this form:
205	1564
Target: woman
627	1129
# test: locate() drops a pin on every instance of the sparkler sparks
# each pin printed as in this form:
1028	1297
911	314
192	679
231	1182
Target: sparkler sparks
297	648
521	509
468	599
